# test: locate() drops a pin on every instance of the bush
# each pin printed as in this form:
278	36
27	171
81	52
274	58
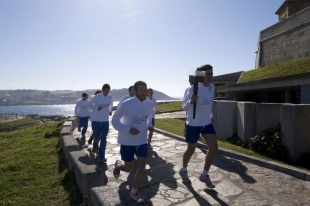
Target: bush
269	144
235	140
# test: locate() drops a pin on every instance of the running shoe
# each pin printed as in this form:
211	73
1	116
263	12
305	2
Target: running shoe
117	171
206	179
136	197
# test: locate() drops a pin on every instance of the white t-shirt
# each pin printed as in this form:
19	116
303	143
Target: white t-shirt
133	114
203	105
154	106
124	99
81	108
106	102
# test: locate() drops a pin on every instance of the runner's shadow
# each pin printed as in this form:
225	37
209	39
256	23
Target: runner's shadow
231	165
213	194
187	182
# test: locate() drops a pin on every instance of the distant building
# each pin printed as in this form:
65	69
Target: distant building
290	7
289	39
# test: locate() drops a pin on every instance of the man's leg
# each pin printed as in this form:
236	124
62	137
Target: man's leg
211	141
104	129
85	126
188	153
96	127
140	172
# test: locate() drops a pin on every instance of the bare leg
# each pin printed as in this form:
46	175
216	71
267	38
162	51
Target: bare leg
126	166
140	172
211	141
188	153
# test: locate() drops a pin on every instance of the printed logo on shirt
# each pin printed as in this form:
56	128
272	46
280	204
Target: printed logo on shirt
138	119
207	100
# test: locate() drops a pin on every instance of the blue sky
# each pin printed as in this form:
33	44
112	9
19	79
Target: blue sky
82	44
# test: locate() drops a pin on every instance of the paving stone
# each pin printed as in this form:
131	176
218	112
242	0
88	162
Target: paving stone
238	180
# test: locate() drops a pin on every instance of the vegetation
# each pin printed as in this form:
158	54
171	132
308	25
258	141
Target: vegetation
171	106
32	168
269	143
18	124
287	68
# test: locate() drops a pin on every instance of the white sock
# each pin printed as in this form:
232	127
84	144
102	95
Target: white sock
205	173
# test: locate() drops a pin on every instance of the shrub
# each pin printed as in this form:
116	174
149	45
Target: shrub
235	140
269	144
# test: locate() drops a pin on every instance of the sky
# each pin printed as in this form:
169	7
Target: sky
83	44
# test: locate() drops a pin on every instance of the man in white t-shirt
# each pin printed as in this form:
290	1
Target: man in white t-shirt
82	111
154	110
131	93
132	120
101	106
201	124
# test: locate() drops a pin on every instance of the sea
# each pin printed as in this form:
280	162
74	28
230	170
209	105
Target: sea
66	110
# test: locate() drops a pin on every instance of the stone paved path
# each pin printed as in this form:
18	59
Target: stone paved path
237	182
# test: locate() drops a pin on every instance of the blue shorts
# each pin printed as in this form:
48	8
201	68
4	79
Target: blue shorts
127	152
192	133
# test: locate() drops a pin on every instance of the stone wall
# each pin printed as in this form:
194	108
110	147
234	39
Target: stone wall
285	40
247	119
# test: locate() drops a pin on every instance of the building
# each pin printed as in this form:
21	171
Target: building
287	40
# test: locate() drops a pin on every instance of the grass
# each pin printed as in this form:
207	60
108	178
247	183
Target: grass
19	124
176	126
32	167
287	68
171	106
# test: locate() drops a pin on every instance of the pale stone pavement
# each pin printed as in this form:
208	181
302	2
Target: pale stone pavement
237	182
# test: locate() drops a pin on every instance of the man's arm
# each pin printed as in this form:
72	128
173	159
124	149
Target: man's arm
116	121
186	102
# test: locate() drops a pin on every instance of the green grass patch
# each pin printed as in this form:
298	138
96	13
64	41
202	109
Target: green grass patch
287	68
33	170
170	106
18	124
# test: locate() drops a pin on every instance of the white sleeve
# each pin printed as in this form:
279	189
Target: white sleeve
186	105
116	120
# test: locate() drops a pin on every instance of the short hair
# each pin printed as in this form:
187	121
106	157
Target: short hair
106	86
136	85
131	87
150	89
204	67
97	92
84	94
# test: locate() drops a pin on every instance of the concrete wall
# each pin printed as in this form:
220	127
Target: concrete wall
286	40
305	94
295	121
246	120
249	119
268	116
226	112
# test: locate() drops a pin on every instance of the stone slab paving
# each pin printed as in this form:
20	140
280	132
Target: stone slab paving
237	182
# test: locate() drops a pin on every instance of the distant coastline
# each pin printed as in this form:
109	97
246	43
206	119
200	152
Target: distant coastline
60	97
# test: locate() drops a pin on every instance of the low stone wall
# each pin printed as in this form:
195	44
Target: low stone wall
253	118
88	175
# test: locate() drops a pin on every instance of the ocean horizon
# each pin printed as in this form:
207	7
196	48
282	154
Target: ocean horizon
66	110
